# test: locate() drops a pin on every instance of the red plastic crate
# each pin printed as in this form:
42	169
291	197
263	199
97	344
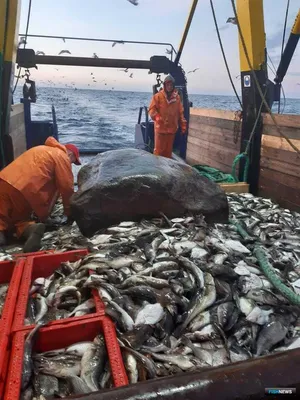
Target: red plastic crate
4	372
36	253
44	266
60	336
10	272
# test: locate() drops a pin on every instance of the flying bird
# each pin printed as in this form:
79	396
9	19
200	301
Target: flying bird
168	51
57	69
64	40
193	70
95	55
131	75
64	52
134	2
92	73
124	70
117	42
231	20
40	53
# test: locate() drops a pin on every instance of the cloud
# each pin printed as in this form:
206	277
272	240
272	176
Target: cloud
275	40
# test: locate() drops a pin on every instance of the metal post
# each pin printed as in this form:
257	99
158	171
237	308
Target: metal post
186	30
9	22
289	50
251	21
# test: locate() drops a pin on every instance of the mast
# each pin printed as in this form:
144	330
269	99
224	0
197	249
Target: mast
251	21
9	27
186	30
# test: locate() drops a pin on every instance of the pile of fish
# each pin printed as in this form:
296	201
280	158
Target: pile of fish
63	294
78	369
6	256
186	296
3	293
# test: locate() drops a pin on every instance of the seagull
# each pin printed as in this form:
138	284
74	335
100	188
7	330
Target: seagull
194	70
231	20
118	41
92	73
95	55
64	52
124	70
134	2
131	76
40	53
22	41
168	51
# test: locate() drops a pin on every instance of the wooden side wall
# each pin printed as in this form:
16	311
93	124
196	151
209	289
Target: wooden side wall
17	129
214	138
280	163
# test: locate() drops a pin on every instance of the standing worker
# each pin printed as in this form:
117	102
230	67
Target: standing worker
32	183
166	110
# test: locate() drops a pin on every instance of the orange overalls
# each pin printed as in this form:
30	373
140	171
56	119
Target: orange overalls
32	182
166	113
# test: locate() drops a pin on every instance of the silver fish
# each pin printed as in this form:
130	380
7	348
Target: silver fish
92	363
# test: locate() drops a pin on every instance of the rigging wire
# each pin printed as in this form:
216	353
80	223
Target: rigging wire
223	53
257	82
283	39
273	69
26	33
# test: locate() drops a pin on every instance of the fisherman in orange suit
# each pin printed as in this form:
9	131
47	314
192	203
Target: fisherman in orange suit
166	110
32	183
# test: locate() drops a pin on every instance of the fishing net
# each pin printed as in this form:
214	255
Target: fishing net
214	174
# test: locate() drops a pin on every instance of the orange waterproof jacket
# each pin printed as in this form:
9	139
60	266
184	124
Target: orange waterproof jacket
40	174
170	111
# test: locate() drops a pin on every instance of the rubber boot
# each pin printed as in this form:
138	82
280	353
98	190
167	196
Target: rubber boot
2	239
33	235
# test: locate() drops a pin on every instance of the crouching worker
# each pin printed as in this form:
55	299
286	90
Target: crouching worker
166	110
31	183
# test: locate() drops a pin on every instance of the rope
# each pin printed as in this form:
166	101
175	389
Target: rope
246	168
245	153
283	39
257	83
273	278
273	69
223	53
26	33
241	230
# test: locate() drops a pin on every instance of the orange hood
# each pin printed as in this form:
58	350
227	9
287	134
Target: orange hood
52	142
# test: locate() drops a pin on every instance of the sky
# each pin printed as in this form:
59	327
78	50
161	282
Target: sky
156	21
